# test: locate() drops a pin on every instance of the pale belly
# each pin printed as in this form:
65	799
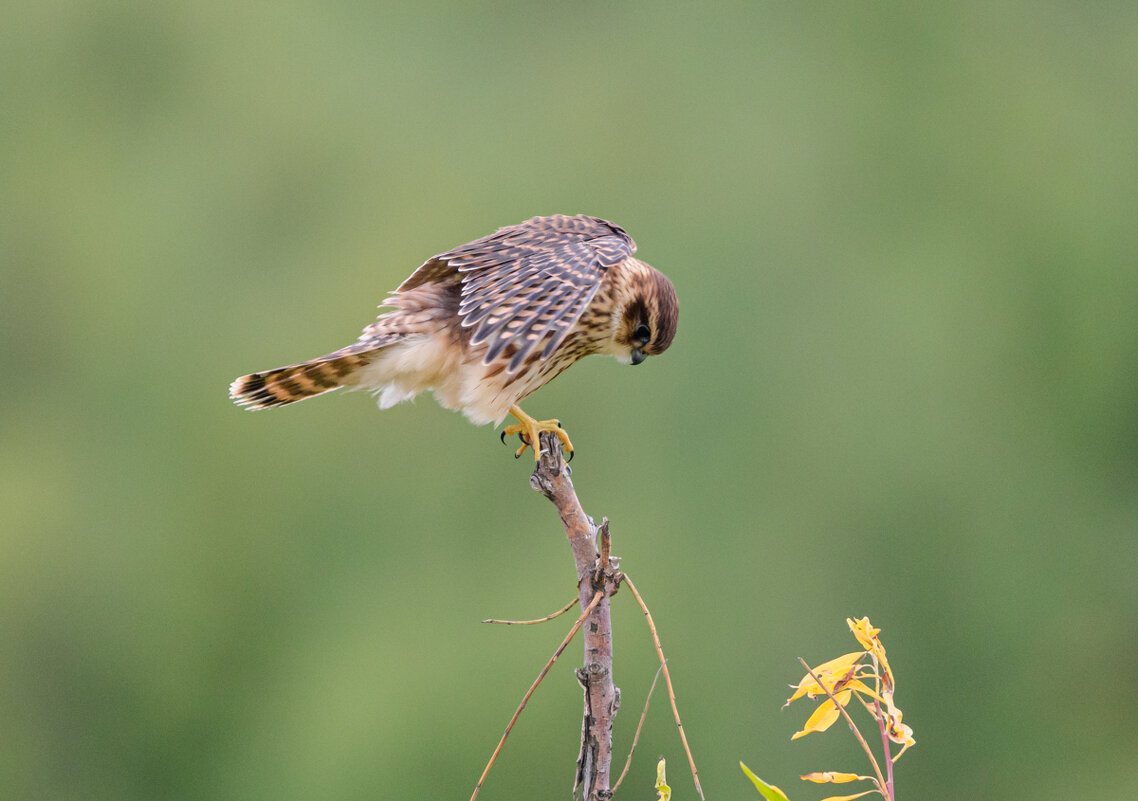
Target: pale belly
458	378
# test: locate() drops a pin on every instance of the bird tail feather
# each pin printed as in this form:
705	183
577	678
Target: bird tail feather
296	382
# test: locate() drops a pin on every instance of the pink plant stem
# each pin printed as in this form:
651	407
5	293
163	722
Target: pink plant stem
884	726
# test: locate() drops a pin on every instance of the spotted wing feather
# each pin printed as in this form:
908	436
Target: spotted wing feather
529	283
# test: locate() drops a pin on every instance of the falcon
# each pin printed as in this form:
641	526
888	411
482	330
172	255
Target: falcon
490	322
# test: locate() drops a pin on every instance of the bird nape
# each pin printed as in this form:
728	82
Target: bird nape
488	323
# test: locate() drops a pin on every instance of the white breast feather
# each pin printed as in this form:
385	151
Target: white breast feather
426	362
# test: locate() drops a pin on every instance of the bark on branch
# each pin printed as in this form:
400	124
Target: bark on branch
596	571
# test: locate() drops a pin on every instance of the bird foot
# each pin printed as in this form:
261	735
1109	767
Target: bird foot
529	429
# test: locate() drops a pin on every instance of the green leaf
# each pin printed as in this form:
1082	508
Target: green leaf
769	791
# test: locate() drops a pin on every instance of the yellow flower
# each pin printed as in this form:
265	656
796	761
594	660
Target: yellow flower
839	778
898	732
866	634
840	680
825	715
834	776
833	674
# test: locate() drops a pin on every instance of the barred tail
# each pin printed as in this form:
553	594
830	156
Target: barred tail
296	382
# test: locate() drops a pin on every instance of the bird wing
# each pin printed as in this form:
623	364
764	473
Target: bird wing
528	283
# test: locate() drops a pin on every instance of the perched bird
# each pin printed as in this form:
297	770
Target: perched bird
486	324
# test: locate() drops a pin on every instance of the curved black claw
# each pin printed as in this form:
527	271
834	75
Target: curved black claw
571	455
503	437
518	455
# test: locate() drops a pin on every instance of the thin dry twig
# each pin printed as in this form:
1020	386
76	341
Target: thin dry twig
545	619
517	713
636	736
667	680
852	725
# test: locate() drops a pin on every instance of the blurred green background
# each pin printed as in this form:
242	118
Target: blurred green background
904	386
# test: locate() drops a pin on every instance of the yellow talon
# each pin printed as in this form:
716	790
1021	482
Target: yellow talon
529	429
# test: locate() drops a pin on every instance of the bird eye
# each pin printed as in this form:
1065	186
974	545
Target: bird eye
642	334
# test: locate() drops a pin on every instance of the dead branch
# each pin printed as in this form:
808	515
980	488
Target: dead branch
525	699
602	698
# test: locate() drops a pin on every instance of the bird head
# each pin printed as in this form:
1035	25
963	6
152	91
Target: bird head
646	315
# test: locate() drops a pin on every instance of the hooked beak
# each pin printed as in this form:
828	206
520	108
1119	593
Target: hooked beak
638	356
